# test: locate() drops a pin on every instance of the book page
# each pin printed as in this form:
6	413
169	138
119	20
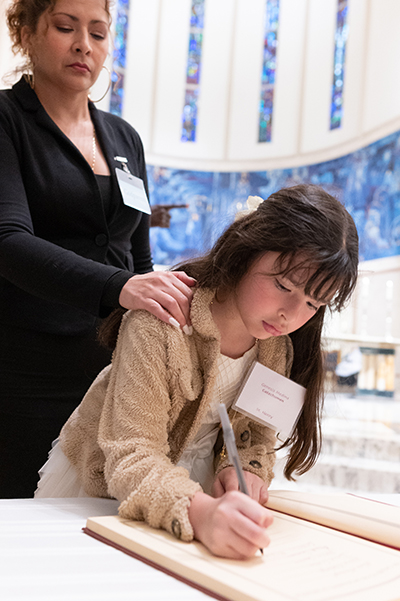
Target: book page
304	562
372	520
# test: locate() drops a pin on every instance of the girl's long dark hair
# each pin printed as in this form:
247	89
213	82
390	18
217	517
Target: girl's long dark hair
306	223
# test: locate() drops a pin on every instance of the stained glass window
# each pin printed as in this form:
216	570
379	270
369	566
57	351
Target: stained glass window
268	70
119	57
339	64
189	114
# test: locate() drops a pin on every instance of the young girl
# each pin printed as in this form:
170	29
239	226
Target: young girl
147	431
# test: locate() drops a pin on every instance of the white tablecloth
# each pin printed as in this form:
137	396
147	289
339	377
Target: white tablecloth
45	556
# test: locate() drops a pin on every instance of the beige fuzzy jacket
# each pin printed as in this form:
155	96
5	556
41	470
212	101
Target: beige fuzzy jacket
142	410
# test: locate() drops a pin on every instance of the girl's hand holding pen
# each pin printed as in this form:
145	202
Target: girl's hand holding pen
227	480
232	525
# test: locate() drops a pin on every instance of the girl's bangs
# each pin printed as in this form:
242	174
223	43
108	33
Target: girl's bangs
330	281
332	285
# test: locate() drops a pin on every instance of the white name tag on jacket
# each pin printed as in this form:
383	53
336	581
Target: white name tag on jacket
133	191
271	399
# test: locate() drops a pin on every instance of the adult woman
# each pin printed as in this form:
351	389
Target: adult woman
70	249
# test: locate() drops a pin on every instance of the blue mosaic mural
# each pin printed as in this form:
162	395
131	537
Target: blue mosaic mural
366	181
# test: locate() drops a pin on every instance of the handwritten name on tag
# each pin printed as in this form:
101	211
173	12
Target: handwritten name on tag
271	399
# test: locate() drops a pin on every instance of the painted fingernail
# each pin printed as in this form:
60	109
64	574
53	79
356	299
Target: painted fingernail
174	323
188	330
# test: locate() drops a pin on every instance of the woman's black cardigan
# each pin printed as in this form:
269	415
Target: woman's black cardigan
63	260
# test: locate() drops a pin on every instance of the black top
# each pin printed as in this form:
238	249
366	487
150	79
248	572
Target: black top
105	187
64	254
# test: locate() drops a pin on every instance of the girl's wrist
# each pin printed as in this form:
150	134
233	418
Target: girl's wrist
199	506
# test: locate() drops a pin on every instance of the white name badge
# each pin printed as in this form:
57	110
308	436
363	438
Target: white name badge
133	191
271	399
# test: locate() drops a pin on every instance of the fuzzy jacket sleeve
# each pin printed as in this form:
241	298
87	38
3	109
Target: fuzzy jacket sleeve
133	431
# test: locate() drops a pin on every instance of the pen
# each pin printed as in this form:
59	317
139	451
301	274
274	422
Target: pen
229	439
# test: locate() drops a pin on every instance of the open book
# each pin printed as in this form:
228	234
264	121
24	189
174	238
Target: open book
354	556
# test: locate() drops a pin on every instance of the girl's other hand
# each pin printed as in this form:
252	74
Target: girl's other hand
165	294
232	526
227	481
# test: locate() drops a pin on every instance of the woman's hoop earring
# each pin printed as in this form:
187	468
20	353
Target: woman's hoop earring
108	87
29	77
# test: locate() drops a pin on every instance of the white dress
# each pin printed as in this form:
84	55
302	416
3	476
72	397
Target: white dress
198	457
59	478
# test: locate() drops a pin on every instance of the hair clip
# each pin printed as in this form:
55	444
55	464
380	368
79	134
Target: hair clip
252	202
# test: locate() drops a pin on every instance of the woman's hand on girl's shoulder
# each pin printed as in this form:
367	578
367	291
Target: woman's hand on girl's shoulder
232	526
165	294
227	480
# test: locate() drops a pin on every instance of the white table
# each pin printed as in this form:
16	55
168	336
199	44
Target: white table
45	556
